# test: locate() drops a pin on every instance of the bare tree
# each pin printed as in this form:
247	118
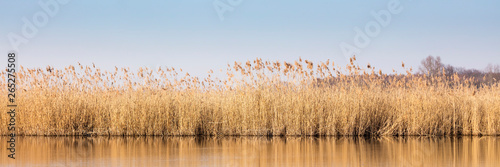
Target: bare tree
431	65
492	74
450	70
492	68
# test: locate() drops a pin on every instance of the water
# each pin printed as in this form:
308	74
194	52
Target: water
252	151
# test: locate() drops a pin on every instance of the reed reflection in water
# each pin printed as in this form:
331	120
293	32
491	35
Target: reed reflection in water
252	151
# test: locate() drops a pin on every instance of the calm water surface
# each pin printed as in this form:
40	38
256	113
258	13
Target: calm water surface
252	151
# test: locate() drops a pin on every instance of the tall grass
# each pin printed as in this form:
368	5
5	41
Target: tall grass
256	98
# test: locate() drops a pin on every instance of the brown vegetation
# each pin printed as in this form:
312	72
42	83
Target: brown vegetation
256	98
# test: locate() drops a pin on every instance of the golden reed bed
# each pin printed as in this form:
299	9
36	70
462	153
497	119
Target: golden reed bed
255	98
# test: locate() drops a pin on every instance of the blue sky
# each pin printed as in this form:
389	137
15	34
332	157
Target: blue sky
189	34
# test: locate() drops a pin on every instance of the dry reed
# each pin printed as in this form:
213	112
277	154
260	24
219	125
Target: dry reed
257	98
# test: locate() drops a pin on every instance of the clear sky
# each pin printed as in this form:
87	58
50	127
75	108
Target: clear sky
190	34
